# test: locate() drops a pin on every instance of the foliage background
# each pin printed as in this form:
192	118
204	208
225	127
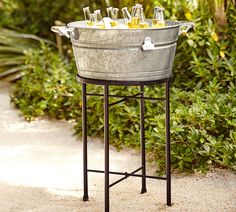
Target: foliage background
203	93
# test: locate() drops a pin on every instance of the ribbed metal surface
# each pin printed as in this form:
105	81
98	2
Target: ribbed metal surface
117	54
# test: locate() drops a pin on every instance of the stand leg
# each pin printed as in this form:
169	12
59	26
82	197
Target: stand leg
142	138
84	132
168	170
106	143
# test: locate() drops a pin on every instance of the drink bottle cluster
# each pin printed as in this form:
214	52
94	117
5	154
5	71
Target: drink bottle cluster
135	20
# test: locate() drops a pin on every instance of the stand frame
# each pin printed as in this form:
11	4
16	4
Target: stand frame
106	170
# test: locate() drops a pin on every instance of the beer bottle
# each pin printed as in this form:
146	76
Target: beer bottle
92	20
100	22
135	16
143	23
113	15
158	18
87	15
126	15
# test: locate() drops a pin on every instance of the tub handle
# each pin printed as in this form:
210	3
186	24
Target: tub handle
185	26
66	31
148	45
61	30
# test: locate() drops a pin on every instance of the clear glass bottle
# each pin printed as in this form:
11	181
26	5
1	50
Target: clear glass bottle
100	22
133	11
109	12
158	18
92	20
126	15
114	17
87	15
143	23
112	13
135	16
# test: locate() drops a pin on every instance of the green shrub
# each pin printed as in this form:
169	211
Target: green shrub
202	122
207	56
13	46
203	100
37	17
48	86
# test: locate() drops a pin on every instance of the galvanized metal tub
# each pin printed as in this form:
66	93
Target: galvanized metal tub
124	54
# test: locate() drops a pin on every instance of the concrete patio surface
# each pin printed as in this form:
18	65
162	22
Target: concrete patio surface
41	171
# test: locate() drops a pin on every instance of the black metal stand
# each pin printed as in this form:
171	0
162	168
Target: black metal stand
107	171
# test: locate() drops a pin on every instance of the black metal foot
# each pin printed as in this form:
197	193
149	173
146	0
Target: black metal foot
85	198
143	190
169	204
